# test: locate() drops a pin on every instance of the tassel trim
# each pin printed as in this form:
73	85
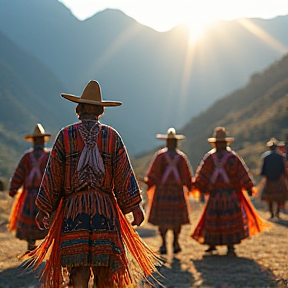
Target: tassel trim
139	264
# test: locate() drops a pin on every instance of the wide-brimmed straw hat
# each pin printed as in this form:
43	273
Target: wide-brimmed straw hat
272	142
171	134
91	95
39	131
219	135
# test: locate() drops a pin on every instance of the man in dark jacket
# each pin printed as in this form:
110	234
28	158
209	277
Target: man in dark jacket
273	169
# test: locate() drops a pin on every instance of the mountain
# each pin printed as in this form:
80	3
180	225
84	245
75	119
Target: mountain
252	115
162	79
29	93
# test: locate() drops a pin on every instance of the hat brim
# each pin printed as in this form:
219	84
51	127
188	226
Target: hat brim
77	99
30	138
270	144
164	136
226	139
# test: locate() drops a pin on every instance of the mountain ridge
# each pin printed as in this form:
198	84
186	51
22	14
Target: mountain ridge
146	70
139	66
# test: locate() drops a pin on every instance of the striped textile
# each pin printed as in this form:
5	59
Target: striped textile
27	177
226	218
275	190
92	202
168	205
61	176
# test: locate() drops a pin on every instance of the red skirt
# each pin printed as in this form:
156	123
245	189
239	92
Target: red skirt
22	217
168	206
275	190
228	218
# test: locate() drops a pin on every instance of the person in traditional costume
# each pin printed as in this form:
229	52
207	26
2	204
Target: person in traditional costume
275	189
228	216
89	185
169	180
24	184
2	186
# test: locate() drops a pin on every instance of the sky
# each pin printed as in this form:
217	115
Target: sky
162	15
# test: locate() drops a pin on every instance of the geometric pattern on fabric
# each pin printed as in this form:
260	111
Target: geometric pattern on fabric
227	217
168	206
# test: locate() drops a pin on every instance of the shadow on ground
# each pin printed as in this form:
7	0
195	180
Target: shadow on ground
174	276
19	277
231	272
281	222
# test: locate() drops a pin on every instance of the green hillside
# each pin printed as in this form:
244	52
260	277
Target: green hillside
29	93
252	115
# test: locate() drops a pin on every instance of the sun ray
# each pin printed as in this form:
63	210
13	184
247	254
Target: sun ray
114	48
260	33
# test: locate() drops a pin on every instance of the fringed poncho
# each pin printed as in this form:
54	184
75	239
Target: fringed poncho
90	184
229	216
24	184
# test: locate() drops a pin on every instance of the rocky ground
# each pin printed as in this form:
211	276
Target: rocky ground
261	261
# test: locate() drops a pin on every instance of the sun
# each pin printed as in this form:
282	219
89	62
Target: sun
197	15
197	25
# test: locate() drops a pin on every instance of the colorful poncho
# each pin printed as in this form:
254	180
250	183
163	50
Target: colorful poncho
228	216
168	177
27	179
90	184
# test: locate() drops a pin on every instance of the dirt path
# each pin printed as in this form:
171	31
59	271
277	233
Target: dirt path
261	261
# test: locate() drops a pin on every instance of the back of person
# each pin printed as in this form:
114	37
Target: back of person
112	149
168	178
228	217
273	166
88	186
273	169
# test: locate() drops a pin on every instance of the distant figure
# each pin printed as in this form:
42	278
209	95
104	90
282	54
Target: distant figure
2	186
167	178
90	185
273	169
228	216
28	176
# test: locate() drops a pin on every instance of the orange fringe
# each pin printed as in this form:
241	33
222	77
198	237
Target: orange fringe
48	250
150	195
16	209
143	255
255	223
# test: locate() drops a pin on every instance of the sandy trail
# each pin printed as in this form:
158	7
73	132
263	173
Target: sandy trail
261	261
